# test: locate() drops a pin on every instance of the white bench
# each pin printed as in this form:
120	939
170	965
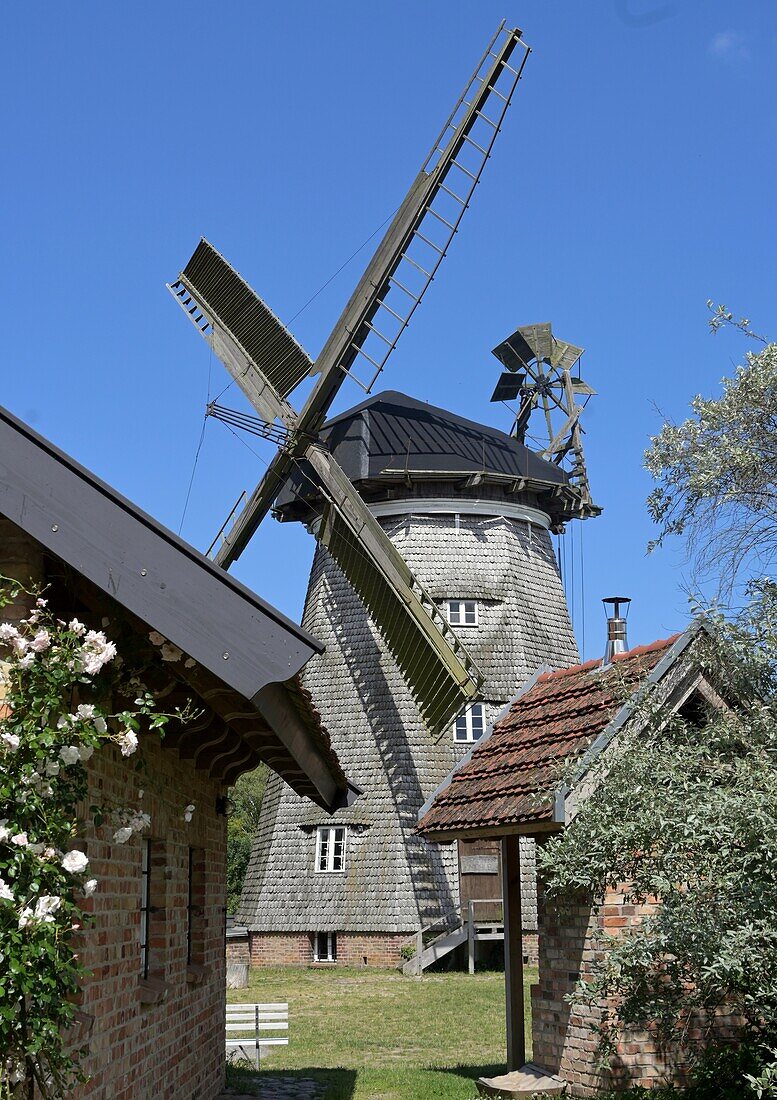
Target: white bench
257	1019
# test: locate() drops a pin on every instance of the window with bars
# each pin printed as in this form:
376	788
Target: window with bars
330	848
463	612
471	724
325	947
195	903
145	907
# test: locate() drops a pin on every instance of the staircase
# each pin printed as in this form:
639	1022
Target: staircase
437	949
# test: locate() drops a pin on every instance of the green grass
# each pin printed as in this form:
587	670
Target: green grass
377	1035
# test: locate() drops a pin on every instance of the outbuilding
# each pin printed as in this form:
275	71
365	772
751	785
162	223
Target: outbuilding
151	1014
510	787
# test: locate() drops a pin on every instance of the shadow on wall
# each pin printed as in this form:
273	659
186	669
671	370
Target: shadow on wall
426	867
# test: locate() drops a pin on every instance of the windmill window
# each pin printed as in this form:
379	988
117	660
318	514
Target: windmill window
463	612
471	724
330	849
325	947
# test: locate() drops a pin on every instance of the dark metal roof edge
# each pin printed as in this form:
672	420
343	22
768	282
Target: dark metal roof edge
159	530
402	399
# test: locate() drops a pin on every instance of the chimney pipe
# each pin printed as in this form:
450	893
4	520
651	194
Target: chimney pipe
616	610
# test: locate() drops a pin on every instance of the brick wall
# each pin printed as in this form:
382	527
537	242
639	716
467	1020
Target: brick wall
173	1047
353	948
564	1041
164	1037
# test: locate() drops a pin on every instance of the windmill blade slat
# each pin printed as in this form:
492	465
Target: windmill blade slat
437	668
399	273
565	355
240	318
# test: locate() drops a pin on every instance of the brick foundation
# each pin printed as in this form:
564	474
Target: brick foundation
353	948
564	1041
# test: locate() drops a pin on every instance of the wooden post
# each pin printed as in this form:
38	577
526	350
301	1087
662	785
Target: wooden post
419	950
471	937
511	900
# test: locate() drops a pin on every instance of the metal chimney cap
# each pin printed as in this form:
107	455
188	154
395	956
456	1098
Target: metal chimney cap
616	602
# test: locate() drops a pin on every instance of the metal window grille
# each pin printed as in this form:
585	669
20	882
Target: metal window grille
325	947
471	724
463	612
145	906
330	848
190	909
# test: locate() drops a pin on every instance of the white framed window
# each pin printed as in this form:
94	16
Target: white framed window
463	612
330	848
325	947
471	723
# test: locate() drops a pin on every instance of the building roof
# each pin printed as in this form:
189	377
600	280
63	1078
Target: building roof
392	440
246	654
508	782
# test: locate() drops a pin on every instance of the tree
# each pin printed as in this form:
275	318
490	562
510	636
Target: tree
717	470
685	814
247	795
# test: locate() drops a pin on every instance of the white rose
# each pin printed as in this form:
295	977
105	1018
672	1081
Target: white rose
100	724
170	652
75	627
41	641
121	836
52	767
69	754
90	887
156	638
25	917
85	710
20	840
75	861
10	741
85	752
46	907
5	832
127	742
6	893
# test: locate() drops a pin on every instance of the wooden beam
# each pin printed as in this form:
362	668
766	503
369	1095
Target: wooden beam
511	900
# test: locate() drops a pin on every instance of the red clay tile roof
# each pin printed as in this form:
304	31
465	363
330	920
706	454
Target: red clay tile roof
510	778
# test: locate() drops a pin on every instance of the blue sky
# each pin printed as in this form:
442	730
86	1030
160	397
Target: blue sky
634	179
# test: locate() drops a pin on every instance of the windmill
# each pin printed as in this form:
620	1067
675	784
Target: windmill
539	377
268	364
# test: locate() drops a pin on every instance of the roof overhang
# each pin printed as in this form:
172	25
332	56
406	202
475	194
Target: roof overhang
245	652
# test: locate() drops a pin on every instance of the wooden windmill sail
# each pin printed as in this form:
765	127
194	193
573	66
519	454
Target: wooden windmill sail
268	364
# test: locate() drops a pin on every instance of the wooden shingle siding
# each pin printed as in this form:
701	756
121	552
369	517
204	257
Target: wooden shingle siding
394	879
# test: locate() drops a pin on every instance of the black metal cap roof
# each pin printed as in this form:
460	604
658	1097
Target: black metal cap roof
393	440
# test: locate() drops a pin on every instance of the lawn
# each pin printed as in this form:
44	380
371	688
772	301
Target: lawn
377	1035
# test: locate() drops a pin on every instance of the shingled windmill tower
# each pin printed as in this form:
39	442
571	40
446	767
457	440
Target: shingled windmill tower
393	645
471	509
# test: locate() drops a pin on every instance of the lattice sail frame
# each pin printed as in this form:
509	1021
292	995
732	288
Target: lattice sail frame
268	363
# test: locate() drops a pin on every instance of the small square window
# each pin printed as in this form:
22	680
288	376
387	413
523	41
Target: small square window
325	947
471	724
330	848
463	612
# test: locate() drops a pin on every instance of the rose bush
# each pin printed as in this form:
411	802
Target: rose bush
58	685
